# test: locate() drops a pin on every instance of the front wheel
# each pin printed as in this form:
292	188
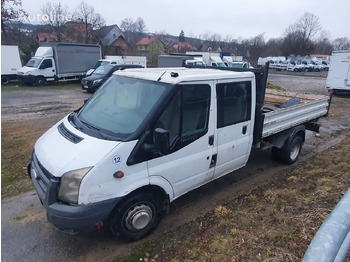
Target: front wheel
135	217
40	81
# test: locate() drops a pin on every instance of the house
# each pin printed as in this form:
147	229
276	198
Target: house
150	47
79	31
112	40
181	47
45	37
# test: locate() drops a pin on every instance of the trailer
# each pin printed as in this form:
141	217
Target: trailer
10	63
338	79
59	62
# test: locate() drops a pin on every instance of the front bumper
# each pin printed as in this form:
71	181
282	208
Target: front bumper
30	79
69	219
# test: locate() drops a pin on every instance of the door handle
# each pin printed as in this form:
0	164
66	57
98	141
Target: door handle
244	130
211	140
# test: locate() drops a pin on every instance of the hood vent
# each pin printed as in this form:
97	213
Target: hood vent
69	135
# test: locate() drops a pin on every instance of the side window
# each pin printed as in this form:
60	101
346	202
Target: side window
187	114
233	102
46	63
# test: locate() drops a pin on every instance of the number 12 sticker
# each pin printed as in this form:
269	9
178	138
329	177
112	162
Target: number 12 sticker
117	160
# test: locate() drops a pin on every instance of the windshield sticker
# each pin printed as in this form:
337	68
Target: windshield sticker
117	160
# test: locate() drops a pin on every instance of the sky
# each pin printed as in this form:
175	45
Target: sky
228	18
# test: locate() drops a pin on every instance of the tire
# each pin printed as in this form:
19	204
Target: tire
40	81
5	80
290	154
136	217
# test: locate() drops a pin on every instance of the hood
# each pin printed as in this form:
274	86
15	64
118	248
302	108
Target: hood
73	150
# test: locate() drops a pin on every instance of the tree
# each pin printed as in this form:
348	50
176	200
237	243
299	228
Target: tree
11	10
341	43
91	20
299	36
140	25
128	25
55	15
182	36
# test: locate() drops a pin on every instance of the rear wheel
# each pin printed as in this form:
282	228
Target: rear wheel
290	154
5	80
135	217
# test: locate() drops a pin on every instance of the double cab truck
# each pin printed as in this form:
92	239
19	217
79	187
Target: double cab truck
148	136
59	62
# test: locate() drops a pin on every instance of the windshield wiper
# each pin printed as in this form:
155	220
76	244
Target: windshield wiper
97	130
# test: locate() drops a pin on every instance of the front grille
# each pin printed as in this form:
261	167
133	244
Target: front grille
69	135
40	177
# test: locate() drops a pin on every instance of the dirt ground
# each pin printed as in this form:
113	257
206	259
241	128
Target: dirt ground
28	114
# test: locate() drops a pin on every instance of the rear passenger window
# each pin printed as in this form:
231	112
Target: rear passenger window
233	102
187	114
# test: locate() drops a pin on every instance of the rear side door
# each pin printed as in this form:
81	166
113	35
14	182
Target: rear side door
235	124
189	119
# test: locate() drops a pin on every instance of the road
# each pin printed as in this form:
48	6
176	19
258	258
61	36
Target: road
27	236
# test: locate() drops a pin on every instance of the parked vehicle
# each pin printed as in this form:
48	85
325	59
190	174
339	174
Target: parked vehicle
321	66
338	79
174	60
119	60
295	66
10	63
308	66
148	136
282	66
209	58
59	62
101	74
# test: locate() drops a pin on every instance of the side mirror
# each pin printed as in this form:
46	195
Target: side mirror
161	140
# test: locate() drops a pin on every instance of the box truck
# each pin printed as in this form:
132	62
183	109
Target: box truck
10	63
338	79
149	136
59	62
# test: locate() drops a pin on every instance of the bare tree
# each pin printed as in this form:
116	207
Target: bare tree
91	20
299	36
55	15
11	11
140	25
341	43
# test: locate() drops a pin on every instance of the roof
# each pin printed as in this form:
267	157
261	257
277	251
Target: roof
168	75
111	33
146	40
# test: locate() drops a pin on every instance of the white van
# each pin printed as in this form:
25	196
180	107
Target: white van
148	136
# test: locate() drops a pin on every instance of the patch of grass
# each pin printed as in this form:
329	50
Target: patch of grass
142	253
272	86
20	218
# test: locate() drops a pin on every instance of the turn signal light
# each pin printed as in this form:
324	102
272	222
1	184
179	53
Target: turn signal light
118	174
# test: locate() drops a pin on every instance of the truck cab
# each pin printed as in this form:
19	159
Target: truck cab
40	68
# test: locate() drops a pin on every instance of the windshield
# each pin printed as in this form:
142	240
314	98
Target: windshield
120	106
102	70
34	62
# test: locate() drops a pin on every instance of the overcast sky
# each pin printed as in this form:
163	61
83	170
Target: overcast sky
235	18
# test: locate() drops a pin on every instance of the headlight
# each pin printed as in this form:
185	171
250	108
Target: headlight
70	184
97	81
28	73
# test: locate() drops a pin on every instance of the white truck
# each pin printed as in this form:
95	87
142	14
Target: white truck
209	58
59	62
338	79
119	60
151	135
10	63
